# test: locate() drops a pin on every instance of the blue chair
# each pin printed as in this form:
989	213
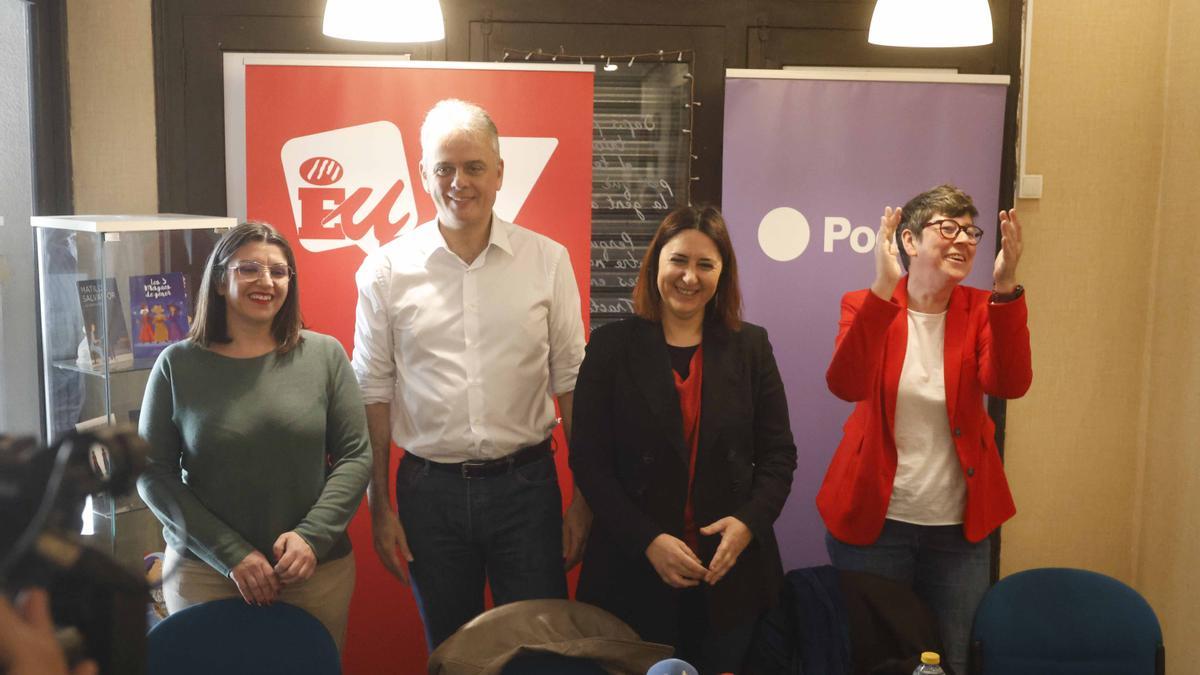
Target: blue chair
229	637
1058	621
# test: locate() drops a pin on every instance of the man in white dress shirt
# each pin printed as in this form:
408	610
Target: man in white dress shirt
466	329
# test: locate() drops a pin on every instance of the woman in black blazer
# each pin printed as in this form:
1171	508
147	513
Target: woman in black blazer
682	446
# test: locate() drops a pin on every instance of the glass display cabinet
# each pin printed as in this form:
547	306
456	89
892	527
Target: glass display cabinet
113	292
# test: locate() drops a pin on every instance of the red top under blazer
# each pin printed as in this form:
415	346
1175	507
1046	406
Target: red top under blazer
986	352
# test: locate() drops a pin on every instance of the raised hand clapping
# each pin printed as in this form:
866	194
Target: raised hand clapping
1004	277
887	255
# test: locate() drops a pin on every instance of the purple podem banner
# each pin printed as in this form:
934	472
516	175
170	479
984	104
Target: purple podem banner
809	163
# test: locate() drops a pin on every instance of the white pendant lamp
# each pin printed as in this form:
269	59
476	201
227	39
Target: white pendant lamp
931	23
384	20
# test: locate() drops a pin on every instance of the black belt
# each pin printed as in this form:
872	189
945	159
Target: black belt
492	467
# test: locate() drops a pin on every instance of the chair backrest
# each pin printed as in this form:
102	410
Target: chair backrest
230	637
1058	621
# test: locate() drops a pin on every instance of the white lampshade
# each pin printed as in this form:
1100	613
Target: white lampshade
931	23
384	20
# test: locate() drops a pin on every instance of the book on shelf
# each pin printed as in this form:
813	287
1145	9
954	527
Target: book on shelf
99	300
158	312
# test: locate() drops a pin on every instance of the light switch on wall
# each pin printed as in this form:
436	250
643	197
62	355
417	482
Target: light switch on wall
1031	187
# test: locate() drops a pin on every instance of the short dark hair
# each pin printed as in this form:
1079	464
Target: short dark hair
210	326
945	199
726	304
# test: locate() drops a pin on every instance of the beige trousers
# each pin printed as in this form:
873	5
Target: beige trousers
325	595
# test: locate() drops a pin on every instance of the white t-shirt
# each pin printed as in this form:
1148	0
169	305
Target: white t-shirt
929	488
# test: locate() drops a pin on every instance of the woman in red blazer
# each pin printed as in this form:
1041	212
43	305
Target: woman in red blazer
917	485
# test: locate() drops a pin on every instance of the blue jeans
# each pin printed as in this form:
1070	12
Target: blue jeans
948	573
504	529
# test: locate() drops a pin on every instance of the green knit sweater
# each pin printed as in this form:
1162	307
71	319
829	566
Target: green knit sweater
243	450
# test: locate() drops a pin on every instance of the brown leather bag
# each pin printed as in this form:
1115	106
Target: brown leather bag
564	627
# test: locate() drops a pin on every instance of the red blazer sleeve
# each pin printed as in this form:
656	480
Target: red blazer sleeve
1005	364
858	351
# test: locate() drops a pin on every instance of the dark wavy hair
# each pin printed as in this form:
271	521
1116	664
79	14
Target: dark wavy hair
210	326
944	199
726	304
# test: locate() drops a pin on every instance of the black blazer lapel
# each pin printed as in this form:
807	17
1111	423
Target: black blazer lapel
650	369
721	361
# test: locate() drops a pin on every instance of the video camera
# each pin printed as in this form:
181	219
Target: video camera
99	606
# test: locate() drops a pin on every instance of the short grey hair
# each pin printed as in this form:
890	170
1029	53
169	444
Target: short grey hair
945	199
452	114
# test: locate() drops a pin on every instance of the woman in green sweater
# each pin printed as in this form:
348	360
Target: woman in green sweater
259	449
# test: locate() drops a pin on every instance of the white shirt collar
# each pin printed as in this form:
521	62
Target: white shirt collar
430	239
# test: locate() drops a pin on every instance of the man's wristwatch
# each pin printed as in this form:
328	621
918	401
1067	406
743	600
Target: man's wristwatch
1008	297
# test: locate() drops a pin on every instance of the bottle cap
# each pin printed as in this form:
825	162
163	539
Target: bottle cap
930	658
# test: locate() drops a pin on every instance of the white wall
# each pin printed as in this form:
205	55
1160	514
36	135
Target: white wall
18	332
1104	452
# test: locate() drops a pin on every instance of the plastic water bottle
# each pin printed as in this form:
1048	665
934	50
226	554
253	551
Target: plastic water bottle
930	664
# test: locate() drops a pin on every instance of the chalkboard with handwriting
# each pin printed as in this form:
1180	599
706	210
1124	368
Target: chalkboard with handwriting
641	161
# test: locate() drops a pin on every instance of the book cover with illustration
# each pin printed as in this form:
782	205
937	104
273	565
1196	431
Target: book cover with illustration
94	302
158	312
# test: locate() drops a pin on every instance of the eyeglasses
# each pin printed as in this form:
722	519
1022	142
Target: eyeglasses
252	270
949	229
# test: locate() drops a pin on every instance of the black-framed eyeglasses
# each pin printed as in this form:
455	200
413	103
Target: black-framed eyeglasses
252	270
949	229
